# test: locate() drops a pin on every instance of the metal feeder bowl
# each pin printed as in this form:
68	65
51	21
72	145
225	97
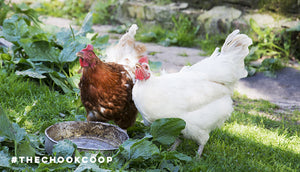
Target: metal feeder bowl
86	135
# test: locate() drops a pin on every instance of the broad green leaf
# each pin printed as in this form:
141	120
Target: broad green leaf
89	166
14	29
63	35
101	41
74	80
87	25
31	73
25	149
36	72
5	158
169	166
40	50
166	130
177	155
64	148
6	128
27	13
68	54
138	150
23	60
58	80
55	167
20	133
143	150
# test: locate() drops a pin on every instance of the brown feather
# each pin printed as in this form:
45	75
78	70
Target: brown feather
106	93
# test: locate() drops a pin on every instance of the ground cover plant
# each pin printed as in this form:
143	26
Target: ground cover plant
255	138
259	136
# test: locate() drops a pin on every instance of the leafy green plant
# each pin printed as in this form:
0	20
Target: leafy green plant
103	11
12	132
163	132
267	47
182	34
43	52
75	10
208	43
4	10
255	131
162	2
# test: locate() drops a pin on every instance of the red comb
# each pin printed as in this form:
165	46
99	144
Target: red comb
144	59
89	47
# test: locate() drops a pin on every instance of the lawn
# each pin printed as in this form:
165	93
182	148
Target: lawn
38	88
255	138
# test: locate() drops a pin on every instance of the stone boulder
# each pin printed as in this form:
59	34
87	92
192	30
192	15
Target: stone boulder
218	19
149	12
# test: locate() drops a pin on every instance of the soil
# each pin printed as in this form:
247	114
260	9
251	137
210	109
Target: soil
283	90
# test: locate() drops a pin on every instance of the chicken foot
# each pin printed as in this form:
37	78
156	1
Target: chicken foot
178	141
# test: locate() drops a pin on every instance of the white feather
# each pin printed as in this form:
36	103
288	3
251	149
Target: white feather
125	51
199	94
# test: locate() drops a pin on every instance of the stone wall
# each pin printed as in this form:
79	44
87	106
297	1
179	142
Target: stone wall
218	19
284	6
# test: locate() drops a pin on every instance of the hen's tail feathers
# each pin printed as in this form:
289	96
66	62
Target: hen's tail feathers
126	51
128	38
226	66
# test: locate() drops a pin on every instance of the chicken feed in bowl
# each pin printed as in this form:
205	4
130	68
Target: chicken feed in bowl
86	135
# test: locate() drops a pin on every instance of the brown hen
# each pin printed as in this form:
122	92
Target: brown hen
106	90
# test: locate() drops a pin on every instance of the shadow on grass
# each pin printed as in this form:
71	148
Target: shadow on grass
227	152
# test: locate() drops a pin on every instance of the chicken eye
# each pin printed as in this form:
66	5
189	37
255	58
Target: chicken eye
146	67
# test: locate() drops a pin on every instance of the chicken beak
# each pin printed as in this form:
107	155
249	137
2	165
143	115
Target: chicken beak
138	65
79	54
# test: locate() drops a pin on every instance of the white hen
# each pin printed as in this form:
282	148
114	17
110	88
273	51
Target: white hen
126	52
199	94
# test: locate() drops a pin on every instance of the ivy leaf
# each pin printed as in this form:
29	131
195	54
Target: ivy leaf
166	130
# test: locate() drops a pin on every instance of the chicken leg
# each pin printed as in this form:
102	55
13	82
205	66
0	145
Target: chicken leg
200	150
175	145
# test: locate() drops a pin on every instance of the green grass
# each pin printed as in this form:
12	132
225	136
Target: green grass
33	105
255	138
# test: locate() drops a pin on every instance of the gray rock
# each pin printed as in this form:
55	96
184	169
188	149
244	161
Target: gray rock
218	19
263	20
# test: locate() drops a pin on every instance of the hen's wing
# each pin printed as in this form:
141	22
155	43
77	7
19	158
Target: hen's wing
179	93
107	95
